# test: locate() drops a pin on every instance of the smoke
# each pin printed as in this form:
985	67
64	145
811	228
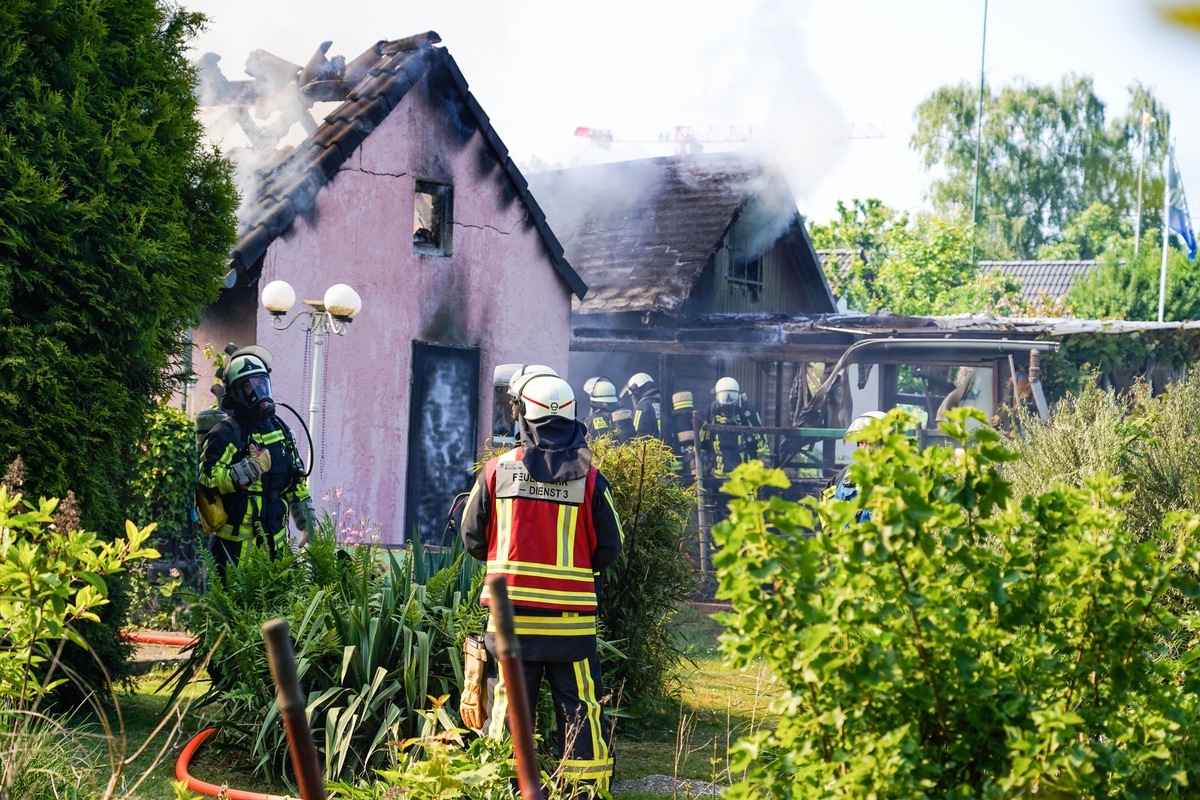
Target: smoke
258	122
762	77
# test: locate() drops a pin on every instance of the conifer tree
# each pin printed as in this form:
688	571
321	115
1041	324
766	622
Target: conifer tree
115	224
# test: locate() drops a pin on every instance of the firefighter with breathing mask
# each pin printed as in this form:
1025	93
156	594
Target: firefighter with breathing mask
250	463
724	450
542	516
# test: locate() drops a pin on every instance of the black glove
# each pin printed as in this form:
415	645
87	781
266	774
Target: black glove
302	512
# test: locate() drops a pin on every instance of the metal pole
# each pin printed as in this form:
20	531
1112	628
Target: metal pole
979	130
320	330
520	720
292	707
1162	277
1137	228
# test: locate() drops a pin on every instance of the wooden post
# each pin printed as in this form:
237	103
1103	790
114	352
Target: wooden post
292	706
520	720
702	520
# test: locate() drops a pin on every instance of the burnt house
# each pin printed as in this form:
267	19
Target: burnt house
403	190
676	243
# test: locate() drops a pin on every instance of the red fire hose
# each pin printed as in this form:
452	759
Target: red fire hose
196	785
520	721
189	750
161	637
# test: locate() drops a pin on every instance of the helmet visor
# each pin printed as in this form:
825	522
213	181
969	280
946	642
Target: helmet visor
728	397
254	389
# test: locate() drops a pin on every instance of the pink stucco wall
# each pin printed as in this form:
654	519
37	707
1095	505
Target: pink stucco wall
498	291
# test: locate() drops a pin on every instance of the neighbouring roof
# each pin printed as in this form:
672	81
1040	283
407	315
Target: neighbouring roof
370	86
1042	279
841	260
641	232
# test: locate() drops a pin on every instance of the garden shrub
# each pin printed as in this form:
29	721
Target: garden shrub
53	578
654	575
164	481
961	643
1151	442
376	634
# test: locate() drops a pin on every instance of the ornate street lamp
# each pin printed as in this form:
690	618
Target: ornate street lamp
333	314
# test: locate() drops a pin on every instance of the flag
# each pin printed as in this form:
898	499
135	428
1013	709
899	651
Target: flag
1178	218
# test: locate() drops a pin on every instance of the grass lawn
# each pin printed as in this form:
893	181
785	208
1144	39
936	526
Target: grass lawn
718	705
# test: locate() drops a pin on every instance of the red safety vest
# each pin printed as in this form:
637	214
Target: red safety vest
540	537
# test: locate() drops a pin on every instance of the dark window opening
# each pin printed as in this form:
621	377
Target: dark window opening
746	270
432	218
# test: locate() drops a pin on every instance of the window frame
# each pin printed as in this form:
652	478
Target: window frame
442	212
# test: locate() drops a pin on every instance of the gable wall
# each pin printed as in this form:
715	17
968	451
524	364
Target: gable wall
498	291
780	292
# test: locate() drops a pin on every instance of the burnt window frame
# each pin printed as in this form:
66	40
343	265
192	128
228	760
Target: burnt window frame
442	210
740	267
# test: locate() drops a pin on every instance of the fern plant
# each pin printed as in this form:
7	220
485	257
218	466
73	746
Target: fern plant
376	634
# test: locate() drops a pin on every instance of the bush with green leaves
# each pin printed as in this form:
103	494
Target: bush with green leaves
961	643
655	573
1149	441
53	578
376	634
50	581
164	481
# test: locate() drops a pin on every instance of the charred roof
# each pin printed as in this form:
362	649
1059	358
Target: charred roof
641	232
369	87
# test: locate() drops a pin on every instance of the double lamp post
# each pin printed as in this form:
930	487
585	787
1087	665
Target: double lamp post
332	314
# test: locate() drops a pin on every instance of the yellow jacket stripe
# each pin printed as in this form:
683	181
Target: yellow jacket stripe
572	625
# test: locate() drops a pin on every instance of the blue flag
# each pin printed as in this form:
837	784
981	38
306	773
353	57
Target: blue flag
1178	218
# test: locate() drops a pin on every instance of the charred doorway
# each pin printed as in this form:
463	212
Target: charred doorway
443	417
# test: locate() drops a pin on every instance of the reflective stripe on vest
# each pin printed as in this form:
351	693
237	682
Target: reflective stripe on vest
541	541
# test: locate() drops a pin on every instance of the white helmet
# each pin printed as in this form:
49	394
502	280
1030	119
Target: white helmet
728	392
862	421
524	373
636	382
601	390
546	396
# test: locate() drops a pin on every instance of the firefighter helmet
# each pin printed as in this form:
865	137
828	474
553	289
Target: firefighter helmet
636	384
602	392
247	381
862	421
546	396
728	392
525	372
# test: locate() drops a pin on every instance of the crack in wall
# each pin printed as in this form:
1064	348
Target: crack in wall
482	227
376	174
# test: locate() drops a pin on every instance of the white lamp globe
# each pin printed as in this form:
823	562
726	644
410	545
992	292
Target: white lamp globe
278	297
342	302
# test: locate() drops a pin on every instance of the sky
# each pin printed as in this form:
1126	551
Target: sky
804	75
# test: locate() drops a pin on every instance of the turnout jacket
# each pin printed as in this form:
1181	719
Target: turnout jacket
724	451
260	509
548	538
647	415
598	423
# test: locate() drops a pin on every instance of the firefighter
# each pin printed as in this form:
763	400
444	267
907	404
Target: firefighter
522	373
846	488
722	450
250	462
647	420
602	395
543	517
